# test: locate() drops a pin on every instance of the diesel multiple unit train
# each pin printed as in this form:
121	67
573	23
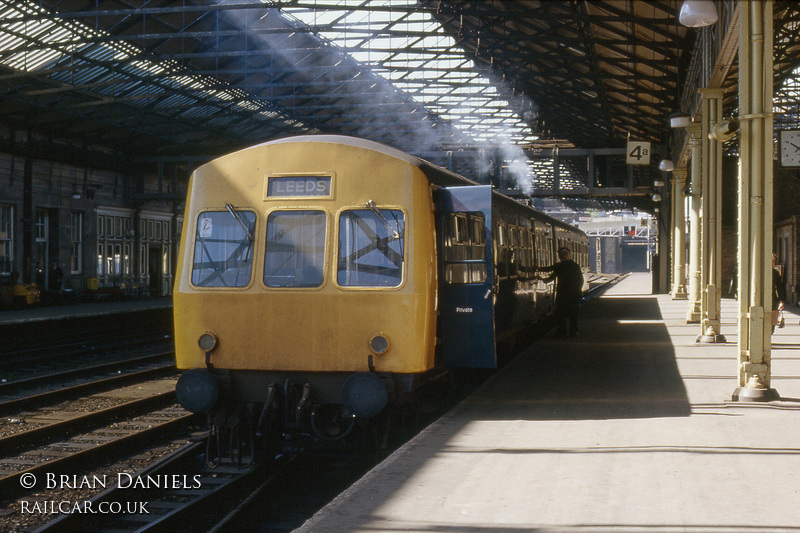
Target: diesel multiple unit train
322	278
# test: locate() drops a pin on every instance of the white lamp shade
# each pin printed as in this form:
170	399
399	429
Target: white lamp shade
698	13
679	120
666	165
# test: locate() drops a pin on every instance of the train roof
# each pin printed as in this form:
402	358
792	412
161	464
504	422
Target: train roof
440	176
443	177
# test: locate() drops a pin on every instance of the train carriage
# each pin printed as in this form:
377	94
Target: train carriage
334	271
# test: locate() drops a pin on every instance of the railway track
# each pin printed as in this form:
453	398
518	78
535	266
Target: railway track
43	389
65	441
179	493
597	283
59	435
27	364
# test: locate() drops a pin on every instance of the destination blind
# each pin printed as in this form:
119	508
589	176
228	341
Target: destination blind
299	186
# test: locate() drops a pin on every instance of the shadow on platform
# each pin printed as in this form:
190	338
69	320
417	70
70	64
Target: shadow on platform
622	365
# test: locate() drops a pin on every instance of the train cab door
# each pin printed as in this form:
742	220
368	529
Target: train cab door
466	299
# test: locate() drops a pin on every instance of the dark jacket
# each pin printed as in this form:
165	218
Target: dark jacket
569	279
778	289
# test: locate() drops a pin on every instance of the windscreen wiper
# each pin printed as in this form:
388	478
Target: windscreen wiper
238	219
372	207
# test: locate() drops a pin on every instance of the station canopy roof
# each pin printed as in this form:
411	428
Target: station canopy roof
162	78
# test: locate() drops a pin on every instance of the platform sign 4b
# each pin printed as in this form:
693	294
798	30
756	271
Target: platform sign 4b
638	153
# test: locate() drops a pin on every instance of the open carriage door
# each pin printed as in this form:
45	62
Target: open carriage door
466	300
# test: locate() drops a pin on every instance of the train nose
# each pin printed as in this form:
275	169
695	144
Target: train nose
365	394
197	390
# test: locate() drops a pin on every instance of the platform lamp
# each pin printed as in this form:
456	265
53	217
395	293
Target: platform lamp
679	120
698	13
676	120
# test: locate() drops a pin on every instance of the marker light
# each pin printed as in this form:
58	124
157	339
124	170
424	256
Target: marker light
207	341
379	344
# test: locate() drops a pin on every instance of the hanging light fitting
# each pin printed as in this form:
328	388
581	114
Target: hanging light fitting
698	13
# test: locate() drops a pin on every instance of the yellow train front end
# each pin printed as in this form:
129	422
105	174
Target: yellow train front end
307	271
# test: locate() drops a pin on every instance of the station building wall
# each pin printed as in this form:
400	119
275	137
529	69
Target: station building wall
89	221
786	227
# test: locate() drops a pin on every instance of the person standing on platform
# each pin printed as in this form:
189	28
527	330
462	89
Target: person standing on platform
569	291
778	293
56	278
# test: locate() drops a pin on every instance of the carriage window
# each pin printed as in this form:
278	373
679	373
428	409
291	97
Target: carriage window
524	252
371	248
295	254
513	251
223	250
465	248
501	249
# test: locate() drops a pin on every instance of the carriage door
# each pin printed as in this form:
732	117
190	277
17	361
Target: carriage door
466	317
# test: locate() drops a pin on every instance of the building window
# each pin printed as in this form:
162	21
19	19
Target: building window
41	225
6	238
127	259
76	239
100	261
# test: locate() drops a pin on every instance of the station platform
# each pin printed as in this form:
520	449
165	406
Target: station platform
629	427
38	327
81	310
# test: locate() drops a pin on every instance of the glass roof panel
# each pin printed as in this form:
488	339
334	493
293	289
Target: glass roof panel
408	48
36	43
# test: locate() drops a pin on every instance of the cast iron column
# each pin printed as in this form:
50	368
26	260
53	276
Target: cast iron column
711	105
755	202
695	235
678	234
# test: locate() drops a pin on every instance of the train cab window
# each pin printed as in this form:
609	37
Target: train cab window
371	250
223	249
465	248
295	249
